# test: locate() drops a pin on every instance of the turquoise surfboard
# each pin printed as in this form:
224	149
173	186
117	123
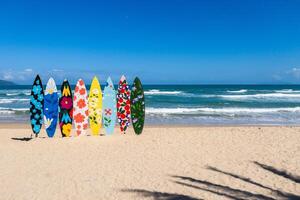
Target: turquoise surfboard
109	107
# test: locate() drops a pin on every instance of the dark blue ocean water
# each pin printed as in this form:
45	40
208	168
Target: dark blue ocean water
192	104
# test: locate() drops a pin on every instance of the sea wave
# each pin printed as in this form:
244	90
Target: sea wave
219	110
4	101
158	92
5	110
12	94
287	91
261	96
18	94
15	92
237	91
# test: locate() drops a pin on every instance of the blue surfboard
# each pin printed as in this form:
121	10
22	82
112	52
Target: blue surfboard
50	107
109	107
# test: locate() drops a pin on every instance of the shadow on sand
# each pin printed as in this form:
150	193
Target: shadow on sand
225	190
24	139
160	195
278	172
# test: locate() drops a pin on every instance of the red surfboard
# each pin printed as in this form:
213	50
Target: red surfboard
123	105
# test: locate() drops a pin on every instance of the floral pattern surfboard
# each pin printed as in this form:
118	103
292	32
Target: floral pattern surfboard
80	108
109	107
66	109
137	106
50	107
123	104
95	106
37	105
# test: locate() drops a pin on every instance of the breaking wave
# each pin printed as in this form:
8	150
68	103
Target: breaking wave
237	91
5	101
272	96
219	110
158	92
4	110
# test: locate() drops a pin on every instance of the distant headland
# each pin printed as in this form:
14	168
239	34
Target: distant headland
6	83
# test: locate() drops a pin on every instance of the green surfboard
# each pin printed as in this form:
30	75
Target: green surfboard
137	99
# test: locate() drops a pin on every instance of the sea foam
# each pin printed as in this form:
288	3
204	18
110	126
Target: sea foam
237	91
5	101
219	110
260	96
158	92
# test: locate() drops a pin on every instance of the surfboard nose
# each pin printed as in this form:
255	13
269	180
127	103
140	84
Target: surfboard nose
51	86
109	81
123	78
95	81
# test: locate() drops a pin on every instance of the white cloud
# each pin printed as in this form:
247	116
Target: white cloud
7	77
27	75
295	72
277	77
28	70
16	75
57	70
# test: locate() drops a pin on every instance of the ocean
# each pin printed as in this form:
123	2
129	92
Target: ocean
192	104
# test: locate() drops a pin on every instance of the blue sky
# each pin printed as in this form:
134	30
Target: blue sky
161	41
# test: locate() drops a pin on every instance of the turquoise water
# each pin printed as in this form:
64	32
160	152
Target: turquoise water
192	104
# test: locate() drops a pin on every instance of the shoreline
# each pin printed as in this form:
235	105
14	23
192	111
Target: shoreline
14	125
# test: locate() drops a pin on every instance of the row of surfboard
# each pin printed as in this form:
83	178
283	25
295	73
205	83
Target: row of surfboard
94	109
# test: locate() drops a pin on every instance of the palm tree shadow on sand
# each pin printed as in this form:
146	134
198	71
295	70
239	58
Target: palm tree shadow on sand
160	195
278	172
224	190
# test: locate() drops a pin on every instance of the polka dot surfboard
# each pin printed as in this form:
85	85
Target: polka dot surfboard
37	105
109	107
123	104
80	108
95	107
50	107
137	106
66	109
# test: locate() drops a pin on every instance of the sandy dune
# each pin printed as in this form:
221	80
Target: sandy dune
162	163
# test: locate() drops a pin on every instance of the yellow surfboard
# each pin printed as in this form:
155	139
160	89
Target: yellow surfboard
95	106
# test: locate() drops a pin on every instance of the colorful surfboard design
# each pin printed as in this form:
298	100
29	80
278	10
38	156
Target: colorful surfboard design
137	106
50	107
66	109
80	108
37	105
95	106
109	107
123	104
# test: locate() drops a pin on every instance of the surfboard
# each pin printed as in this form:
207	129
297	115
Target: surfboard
80	108
123	104
50	107
137	106
37	105
95	106
66	109
109	107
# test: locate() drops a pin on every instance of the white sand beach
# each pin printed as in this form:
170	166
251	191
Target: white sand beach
162	163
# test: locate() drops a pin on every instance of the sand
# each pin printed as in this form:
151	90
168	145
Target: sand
162	163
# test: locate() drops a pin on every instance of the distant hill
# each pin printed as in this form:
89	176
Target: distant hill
5	83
